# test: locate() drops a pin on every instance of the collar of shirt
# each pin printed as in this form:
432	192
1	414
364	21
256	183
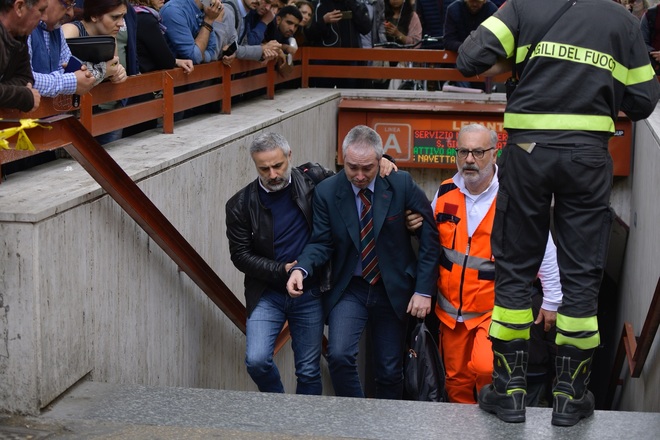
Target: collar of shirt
241	8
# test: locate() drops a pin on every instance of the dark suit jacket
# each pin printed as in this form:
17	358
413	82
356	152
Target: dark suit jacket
336	235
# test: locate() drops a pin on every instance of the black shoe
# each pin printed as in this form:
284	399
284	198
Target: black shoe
572	401
508	407
505	397
567	411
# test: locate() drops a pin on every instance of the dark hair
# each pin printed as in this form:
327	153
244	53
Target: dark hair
6	5
404	17
290	10
96	8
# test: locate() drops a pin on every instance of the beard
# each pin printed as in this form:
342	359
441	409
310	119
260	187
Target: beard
278	183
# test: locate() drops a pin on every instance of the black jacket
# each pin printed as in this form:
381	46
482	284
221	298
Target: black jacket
250	234
15	73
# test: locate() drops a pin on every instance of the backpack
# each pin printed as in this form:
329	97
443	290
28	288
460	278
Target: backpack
315	172
423	370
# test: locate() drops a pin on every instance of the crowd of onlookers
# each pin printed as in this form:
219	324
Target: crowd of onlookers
158	34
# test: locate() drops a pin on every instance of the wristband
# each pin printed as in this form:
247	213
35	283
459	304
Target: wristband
207	26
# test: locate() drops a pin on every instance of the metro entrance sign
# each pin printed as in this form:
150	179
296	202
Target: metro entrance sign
423	134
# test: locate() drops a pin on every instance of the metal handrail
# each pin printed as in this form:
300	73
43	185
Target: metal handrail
636	349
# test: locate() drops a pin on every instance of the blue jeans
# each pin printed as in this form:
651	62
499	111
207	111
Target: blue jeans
305	316
359	306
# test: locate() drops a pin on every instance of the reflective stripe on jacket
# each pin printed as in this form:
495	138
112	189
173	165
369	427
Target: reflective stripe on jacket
467	271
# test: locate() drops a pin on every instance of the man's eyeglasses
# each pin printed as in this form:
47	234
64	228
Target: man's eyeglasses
68	4
477	154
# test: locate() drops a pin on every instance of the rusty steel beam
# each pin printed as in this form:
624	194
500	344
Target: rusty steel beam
112	178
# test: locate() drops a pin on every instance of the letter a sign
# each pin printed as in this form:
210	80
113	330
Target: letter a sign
396	139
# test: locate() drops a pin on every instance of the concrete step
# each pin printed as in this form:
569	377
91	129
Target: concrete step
94	410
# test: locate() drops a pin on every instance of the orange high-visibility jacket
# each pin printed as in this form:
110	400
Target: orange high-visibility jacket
467	269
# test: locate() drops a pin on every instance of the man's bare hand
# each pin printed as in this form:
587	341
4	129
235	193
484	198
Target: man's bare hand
547	317
295	284
213	11
332	16
84	80
186	65
35	95
271	50
419	306
386	167
414	220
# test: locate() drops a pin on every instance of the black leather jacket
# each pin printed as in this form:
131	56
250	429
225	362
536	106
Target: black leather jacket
250	234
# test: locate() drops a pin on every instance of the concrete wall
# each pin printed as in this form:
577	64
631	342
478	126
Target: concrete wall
640	268
85	292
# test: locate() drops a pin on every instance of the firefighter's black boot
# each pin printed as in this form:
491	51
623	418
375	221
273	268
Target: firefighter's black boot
572	400
505	397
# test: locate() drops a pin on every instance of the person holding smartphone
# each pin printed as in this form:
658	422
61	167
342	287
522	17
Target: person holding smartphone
55	72
339	23
190	28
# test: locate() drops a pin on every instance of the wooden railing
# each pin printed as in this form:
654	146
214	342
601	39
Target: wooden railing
432	65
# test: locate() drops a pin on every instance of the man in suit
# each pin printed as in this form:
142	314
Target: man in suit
376	276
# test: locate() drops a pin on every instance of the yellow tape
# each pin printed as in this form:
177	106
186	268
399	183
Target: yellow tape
23	142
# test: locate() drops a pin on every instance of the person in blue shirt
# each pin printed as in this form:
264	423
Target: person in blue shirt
190	29
49	54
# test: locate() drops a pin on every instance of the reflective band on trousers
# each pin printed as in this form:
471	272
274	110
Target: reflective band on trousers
578	332
509	324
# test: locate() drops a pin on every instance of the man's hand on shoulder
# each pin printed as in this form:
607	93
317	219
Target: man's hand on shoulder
386	167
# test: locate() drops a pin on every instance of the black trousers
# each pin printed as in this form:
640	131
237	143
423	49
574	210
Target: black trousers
579	177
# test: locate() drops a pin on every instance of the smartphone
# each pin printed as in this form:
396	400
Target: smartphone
73	65
230	50
346	15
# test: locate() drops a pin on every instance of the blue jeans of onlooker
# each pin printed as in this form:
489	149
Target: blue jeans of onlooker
305	316
359	306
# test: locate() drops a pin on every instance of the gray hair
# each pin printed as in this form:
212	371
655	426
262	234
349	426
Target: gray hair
7	5
475	128
268	142
361	137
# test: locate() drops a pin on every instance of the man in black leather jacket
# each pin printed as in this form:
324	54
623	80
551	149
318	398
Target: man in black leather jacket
268	223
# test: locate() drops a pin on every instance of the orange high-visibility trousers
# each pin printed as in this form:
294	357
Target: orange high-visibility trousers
468	359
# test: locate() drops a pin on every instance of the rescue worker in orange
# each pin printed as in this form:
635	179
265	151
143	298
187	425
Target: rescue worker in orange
464	207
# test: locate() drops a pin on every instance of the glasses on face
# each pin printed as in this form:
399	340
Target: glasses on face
68	4
462	153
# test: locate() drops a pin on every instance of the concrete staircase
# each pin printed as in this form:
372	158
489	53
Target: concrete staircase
94	410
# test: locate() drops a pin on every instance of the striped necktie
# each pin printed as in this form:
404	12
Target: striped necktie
370	270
